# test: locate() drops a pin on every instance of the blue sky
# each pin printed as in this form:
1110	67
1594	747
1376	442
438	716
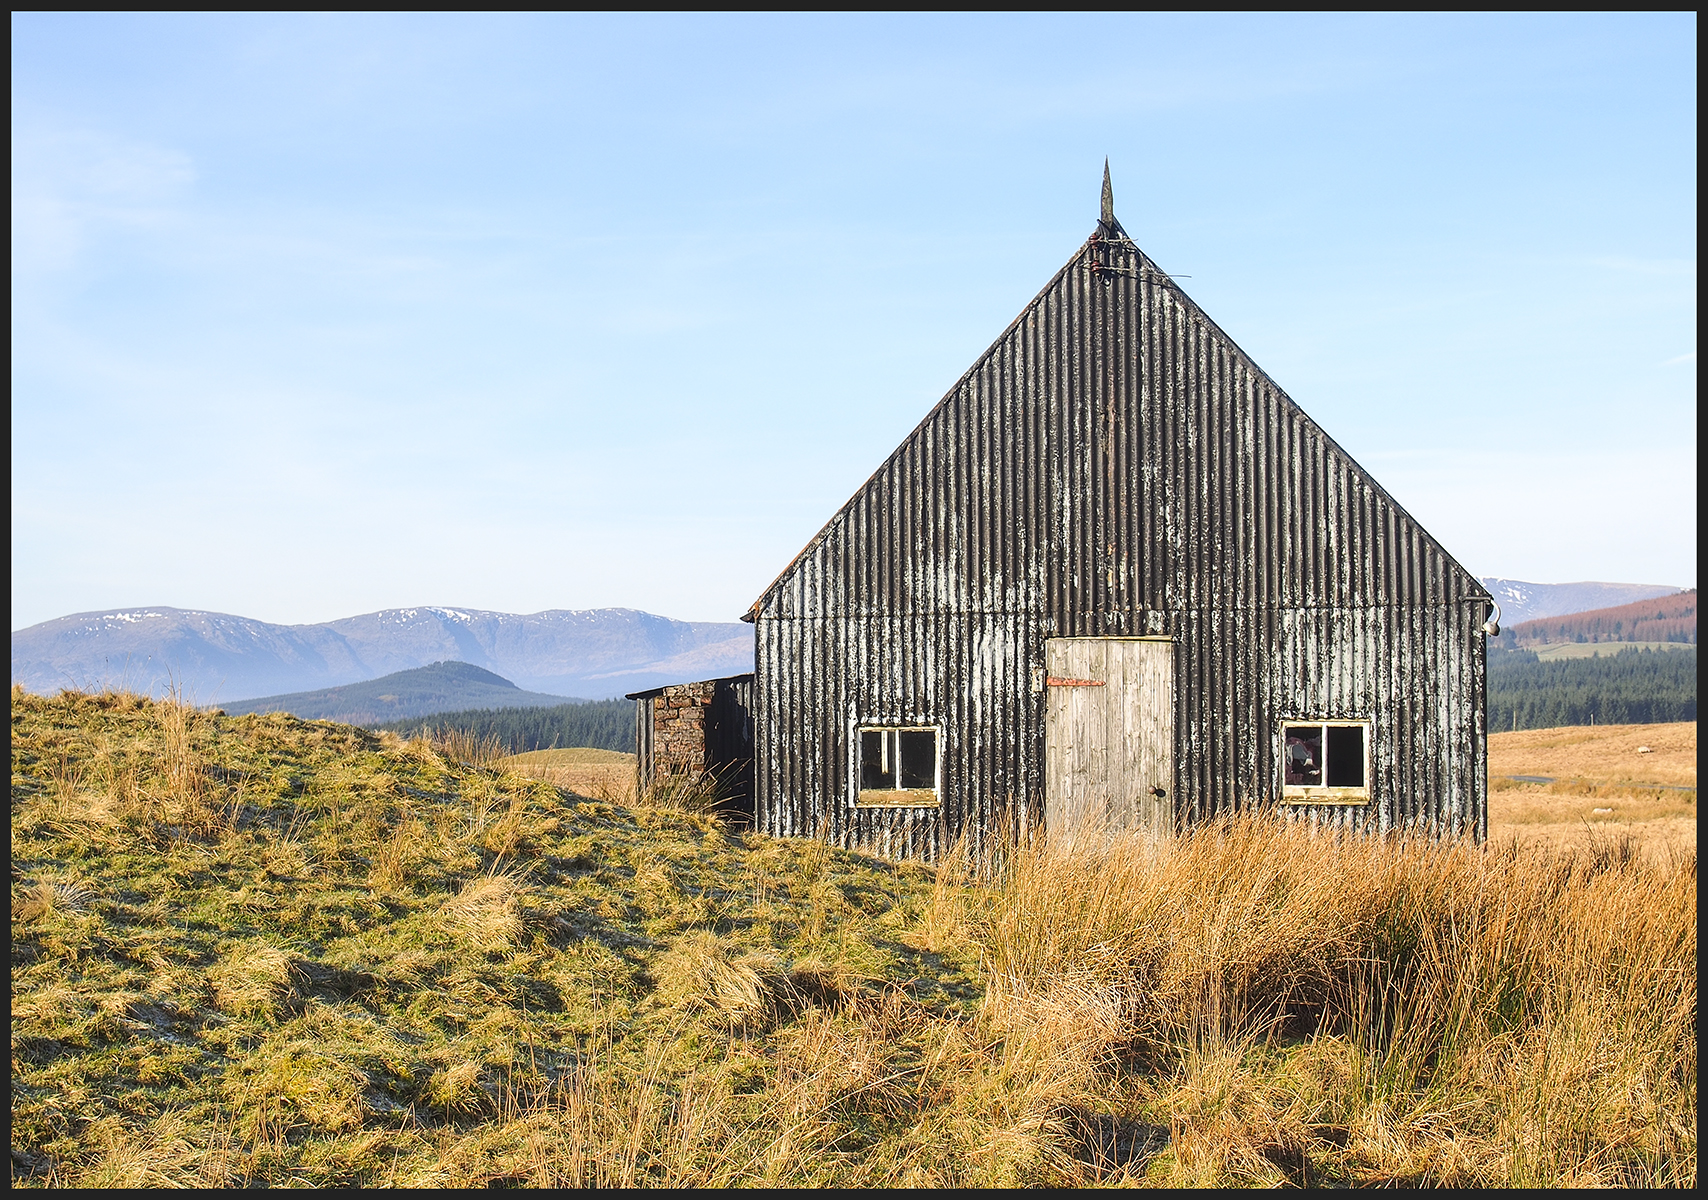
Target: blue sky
318	315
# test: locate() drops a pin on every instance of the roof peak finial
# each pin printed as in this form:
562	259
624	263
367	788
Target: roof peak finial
1108	214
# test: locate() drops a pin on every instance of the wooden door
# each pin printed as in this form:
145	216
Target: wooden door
1108	735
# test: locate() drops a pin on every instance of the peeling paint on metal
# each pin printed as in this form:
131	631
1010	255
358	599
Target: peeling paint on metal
1114	465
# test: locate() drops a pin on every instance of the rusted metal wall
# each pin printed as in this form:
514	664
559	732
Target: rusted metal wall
1116	465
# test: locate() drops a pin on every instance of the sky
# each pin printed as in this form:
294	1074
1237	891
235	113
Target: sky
317	315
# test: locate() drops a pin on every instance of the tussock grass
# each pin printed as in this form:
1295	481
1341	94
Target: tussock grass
1368	1011
260	950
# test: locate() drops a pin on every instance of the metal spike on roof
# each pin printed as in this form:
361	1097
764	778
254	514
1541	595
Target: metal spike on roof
1107	225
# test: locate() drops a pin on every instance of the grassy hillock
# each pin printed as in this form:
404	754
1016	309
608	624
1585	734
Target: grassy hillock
258	950
402	695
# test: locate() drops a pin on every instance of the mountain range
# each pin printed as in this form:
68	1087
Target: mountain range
219	658
1520	601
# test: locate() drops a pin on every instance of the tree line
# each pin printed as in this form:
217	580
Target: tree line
1637	687
604	724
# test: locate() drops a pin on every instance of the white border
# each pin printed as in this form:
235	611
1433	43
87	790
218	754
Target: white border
854	764
1298	793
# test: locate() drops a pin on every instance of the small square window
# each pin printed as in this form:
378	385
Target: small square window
898	767
1325	762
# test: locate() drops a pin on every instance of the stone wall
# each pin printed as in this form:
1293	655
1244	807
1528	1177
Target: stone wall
679	729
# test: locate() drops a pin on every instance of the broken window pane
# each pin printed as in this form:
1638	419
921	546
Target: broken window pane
1302	765
1326	762
1345	765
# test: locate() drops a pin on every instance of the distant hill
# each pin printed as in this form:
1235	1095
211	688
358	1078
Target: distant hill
1521	601
1542	673
219	658
402	695
1661	619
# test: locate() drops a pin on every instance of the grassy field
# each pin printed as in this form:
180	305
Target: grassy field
606	774
1605	783
1549	652
257	950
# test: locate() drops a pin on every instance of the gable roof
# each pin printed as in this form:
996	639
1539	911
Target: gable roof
1106	236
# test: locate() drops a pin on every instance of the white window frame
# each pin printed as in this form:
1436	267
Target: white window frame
1295	793
898	797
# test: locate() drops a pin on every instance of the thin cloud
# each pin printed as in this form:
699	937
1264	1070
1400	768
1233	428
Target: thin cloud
67	182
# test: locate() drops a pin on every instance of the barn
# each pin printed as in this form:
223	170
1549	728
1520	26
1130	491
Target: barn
1115	579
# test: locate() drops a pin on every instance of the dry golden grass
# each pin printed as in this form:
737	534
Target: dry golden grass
572	756
266	951
1661	838
1365	1011
1599	787
1606	755
610	777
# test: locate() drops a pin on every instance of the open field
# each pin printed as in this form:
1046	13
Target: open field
606	774
262	951
1549	652
1599	784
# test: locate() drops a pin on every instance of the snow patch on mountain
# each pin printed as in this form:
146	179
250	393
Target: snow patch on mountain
1523	601
220	657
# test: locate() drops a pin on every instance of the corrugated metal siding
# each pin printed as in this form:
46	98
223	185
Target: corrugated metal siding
643	741
729	740
1114	465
